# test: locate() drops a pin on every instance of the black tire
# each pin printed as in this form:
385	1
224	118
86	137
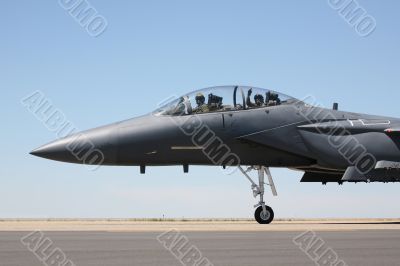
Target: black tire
260	218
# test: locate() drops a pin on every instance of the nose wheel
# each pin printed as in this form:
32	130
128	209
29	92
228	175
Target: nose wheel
263	213
264	217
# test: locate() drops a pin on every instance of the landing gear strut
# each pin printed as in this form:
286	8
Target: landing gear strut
263	214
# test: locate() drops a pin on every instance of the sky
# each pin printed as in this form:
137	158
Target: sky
151	50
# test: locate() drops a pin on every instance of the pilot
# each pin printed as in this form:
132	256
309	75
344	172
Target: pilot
258	100
272	99
201	106
214	102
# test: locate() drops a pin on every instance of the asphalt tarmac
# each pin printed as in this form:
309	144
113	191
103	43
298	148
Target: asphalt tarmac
83	248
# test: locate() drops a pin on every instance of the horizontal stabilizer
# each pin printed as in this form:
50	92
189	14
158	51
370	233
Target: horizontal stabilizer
375	175
387	165
353	175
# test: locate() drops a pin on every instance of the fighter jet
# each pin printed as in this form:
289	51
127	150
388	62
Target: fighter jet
246	129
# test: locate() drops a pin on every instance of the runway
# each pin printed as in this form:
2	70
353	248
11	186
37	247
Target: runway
377	246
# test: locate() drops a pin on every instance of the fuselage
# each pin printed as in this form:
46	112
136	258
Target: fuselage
270	136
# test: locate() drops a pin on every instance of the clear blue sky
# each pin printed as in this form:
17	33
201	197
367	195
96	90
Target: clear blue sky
152	49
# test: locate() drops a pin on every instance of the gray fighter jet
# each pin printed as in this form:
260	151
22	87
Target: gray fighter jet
237	126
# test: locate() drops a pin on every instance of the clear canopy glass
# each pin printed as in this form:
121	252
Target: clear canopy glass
224	98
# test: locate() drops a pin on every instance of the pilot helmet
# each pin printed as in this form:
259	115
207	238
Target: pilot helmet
259	99
200	99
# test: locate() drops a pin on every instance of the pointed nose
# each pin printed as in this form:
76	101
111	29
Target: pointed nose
37	152
48	151
63	150
58	150
95	146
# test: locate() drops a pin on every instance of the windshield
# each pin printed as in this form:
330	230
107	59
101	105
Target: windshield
223	98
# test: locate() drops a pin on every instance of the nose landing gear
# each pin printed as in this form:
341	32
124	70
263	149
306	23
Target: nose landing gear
263	214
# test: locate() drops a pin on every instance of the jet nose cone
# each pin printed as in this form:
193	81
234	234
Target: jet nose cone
57	150
92	147
40	152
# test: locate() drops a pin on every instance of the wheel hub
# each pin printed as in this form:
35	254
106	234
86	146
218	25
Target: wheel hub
265	215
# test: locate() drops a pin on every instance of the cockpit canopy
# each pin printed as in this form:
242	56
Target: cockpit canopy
224	98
